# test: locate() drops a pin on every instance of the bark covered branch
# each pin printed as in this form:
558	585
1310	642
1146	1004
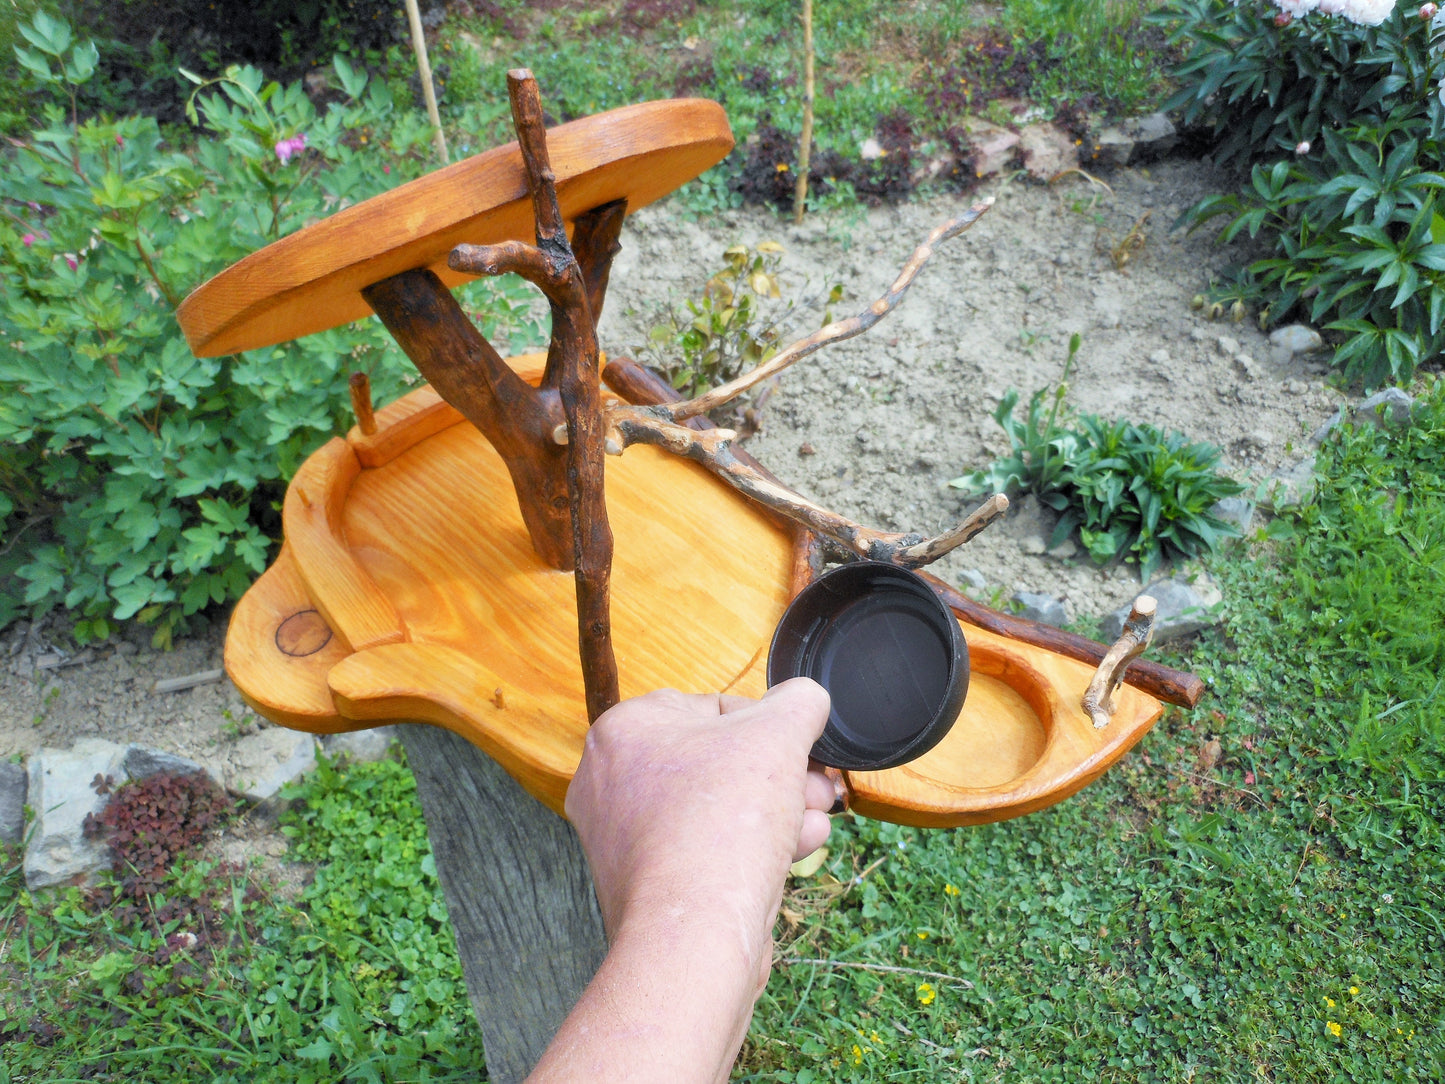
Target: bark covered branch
712	448
571	375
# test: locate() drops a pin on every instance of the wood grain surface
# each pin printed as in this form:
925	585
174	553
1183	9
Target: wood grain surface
312	280
700	580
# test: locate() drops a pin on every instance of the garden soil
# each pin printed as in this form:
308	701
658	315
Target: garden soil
873	428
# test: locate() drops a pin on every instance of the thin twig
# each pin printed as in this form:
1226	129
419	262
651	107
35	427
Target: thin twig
835	332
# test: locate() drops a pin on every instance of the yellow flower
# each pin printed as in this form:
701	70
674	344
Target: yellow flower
1329	1003
857	1054
1354	991
781	167
926	993
922	935
1334	1028
950	890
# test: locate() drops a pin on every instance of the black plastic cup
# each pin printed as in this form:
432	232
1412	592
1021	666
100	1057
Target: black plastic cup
890	654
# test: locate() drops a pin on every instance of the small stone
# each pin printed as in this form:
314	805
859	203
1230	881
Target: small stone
1228	345
59	790
141	762
972	577
1160	357
1318	436
1112	148
1154	135
1295	387
264	762
1047	150
1296	339
1042	608
1199	334
807	449
360	745
1391	407
1246	366
13	785
1292	485
1236	511
1065	550
991	147
1184	607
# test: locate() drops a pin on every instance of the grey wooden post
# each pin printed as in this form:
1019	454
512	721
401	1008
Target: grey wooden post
528	929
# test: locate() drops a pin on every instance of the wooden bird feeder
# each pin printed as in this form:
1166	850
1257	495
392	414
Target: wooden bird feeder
423	574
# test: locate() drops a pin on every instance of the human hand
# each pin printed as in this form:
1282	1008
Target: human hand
690	809
702	802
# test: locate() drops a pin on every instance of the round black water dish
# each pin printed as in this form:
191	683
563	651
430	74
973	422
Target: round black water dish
890	654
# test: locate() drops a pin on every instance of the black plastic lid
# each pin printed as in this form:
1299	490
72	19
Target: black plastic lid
890	654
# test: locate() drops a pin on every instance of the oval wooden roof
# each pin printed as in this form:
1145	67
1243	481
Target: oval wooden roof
312	280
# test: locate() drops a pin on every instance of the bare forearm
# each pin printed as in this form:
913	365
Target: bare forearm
671	1002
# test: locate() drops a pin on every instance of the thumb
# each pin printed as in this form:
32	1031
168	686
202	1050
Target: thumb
800	704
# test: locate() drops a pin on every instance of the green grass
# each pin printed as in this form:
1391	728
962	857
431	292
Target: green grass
878	68
217	979
1171	923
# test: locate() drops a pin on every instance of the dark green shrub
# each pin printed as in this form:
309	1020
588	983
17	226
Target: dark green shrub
1343	128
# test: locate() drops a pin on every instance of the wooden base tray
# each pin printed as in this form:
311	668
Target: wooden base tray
408	591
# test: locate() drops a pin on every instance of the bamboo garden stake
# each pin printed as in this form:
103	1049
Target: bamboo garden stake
423	68
805	143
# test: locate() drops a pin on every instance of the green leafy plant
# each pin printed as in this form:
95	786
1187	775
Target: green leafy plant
1129	491
136	480
1342	127
734	324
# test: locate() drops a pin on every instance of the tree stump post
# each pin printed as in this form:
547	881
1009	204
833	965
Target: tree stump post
528	929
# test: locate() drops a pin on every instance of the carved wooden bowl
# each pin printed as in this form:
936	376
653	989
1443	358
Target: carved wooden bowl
408	591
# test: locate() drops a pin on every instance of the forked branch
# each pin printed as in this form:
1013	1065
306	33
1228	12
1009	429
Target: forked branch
712	448
660	425
571	373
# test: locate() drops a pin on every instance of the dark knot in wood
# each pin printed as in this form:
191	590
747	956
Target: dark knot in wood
303	633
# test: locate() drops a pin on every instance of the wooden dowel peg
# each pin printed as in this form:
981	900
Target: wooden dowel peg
361	403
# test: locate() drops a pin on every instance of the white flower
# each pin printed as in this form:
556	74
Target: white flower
1296	8
1302	147
1332	7
1367	12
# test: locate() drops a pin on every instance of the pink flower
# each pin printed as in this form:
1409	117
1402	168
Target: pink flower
1249	779
386	169
1428	12
119	140
288	147
70	261
28	240
1302	147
